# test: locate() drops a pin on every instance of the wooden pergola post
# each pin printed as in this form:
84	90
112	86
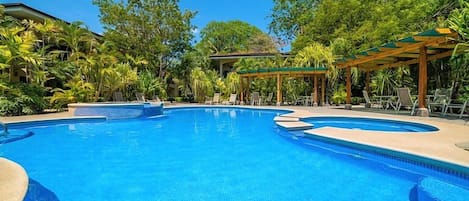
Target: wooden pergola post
348	86
315	92
422	110
279	89
241	92
323	90
367	82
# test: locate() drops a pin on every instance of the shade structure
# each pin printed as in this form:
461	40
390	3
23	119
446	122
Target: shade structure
279	73
417	49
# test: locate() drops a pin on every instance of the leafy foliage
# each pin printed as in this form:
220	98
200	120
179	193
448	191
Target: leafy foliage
155	30
232	37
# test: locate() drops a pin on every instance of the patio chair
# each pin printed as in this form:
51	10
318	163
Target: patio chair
439	100
404	99
157	100
369	101
460	106
232	100
268	99
140	97
255	98
117	97
214	100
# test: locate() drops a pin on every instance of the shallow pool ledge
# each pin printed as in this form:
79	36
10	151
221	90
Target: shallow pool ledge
13	181
116	110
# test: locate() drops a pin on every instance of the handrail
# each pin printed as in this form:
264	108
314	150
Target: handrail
5	129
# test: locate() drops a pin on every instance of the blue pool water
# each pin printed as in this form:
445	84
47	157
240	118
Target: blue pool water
369	124
204	154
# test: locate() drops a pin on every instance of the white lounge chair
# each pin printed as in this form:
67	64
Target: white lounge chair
232	100
214	100
404	99
140	97
462	107
255	98
117	97
268	99
439	100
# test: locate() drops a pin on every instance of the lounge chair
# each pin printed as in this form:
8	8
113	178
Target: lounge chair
214	100
439	100
140	97
232	100
156	100
255	98
268	99
371	102
404	99
117	97
462	107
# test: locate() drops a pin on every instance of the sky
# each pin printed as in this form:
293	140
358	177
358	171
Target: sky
254	12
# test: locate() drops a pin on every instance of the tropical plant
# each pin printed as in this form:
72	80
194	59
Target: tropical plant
150	85
232	83
201	84
339	95
17	50
79	91
21	99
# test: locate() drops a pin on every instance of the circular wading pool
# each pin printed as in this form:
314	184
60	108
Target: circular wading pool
369	124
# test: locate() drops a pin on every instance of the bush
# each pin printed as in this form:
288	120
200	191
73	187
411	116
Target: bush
339	95
357	100
22	99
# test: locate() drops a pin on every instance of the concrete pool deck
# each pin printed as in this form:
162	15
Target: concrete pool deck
438	145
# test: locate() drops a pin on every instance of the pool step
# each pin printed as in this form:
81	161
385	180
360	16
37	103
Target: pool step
280	118
296	125
431	189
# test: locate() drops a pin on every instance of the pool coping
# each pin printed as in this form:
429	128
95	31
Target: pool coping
13	181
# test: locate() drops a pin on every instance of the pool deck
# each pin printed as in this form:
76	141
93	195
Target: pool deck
438	145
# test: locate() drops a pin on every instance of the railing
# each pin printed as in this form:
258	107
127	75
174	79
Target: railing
5	129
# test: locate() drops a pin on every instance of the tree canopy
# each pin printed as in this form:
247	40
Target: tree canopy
234	36
362	23
158	31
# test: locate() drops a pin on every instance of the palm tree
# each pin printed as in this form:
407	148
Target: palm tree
17	49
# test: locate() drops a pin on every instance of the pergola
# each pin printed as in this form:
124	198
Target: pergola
417	49
279	73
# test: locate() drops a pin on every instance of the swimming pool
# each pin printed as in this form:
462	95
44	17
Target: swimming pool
369	124
205	154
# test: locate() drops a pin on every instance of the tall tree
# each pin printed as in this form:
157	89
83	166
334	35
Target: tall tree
364	23
156	30
234	36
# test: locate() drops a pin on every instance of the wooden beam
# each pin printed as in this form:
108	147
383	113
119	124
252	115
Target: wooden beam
422	77
445	46
367	82
417	51
407	55
414	61
348	87
279	89
323	89
393	51
315	95
241	92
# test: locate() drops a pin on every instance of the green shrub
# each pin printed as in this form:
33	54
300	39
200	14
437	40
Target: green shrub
339	95
22	99
357	100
